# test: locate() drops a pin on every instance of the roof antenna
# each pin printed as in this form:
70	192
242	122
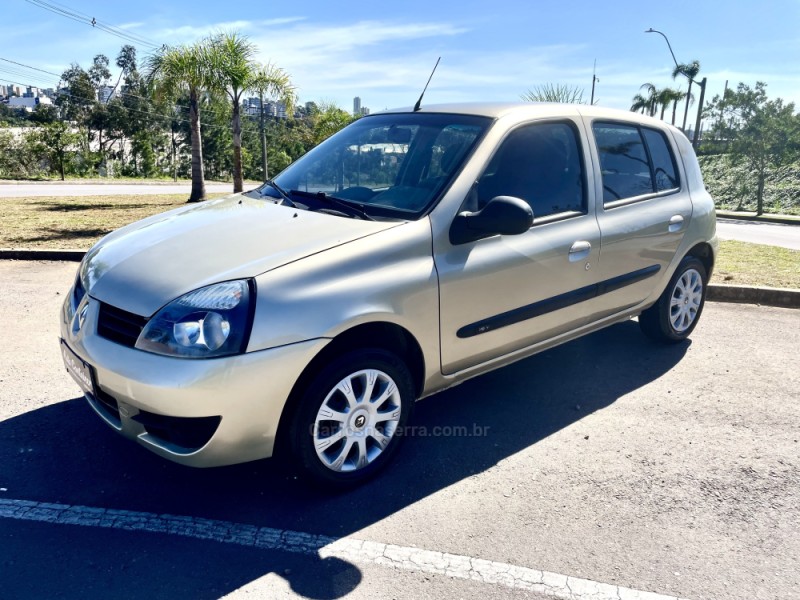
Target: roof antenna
416	106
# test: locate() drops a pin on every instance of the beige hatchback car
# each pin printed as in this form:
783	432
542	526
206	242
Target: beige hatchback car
405	254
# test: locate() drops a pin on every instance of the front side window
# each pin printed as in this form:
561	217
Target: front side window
392	165
540	164
634	161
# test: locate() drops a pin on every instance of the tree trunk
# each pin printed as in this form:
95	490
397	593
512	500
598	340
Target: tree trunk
263	139
674	109
760	195
663	109
236	124
198	179
686	110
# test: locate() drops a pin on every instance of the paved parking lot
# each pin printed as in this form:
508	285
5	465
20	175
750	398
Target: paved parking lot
671	470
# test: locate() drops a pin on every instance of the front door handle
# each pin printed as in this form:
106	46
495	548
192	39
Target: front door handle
675	223
579	250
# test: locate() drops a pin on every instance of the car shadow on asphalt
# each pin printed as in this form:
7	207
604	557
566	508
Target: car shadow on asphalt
63	453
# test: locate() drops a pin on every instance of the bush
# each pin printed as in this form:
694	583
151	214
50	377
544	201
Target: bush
733	186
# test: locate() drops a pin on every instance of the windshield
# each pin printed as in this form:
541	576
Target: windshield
392	165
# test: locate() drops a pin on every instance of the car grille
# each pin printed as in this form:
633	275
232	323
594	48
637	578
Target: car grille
119	326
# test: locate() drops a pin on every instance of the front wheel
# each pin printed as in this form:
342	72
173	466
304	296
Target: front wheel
350	420
677	311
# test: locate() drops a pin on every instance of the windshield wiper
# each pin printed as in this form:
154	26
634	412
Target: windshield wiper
334	201
283	194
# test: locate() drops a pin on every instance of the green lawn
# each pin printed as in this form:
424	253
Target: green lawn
75	222
740	263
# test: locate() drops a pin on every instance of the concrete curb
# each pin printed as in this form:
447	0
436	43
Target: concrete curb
748	294
62	255
768	219
742	294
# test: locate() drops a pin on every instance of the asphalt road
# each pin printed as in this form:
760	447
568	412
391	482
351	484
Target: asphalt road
673	470
772	234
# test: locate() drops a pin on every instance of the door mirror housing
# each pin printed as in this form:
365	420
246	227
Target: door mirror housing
503	215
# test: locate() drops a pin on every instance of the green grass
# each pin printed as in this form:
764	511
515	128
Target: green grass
741	263
75	222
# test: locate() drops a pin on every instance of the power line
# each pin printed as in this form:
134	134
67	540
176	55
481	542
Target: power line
65	11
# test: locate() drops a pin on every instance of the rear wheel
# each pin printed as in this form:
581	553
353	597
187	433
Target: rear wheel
350	420
677	311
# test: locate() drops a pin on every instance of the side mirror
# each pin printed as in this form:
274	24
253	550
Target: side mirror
503	215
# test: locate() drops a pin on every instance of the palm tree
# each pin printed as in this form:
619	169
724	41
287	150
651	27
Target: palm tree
271	81
639	104
232	63
689	70
555	92
650	102
172	70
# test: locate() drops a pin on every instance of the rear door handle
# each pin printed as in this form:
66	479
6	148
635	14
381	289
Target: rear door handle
675	223
579	250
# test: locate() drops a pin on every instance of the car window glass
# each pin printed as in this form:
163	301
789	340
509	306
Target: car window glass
392	164
663	161
623	161
540	164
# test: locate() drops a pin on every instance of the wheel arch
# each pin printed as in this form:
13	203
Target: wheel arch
377	334
705	254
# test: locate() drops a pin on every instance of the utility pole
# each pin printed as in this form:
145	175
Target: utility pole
263	136
696	138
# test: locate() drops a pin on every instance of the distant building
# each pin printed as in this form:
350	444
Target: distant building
251	106
27	103
358	110
106	93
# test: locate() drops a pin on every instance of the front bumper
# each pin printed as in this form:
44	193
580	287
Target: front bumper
197	412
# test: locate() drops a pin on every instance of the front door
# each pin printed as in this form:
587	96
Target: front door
504	293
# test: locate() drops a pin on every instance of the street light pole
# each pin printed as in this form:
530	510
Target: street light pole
702	84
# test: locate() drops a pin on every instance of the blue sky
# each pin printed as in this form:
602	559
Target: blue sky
384	51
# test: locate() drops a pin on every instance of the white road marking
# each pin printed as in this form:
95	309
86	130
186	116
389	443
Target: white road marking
355	550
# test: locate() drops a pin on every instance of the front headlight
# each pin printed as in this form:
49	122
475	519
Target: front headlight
210	322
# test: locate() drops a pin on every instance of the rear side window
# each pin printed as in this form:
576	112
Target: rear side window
666	174
634	161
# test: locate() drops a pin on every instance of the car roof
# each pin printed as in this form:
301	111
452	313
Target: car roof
498	110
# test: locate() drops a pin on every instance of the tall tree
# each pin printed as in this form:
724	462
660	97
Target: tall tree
269	81
689	70
126	61
172	70
232	63
763	134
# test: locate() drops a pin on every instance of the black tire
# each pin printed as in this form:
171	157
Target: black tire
375	432
673	318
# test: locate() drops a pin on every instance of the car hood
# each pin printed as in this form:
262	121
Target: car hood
145	265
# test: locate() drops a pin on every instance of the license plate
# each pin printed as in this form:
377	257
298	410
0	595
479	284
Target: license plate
79	370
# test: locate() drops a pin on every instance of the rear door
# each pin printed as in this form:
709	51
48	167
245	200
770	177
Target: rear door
644	212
